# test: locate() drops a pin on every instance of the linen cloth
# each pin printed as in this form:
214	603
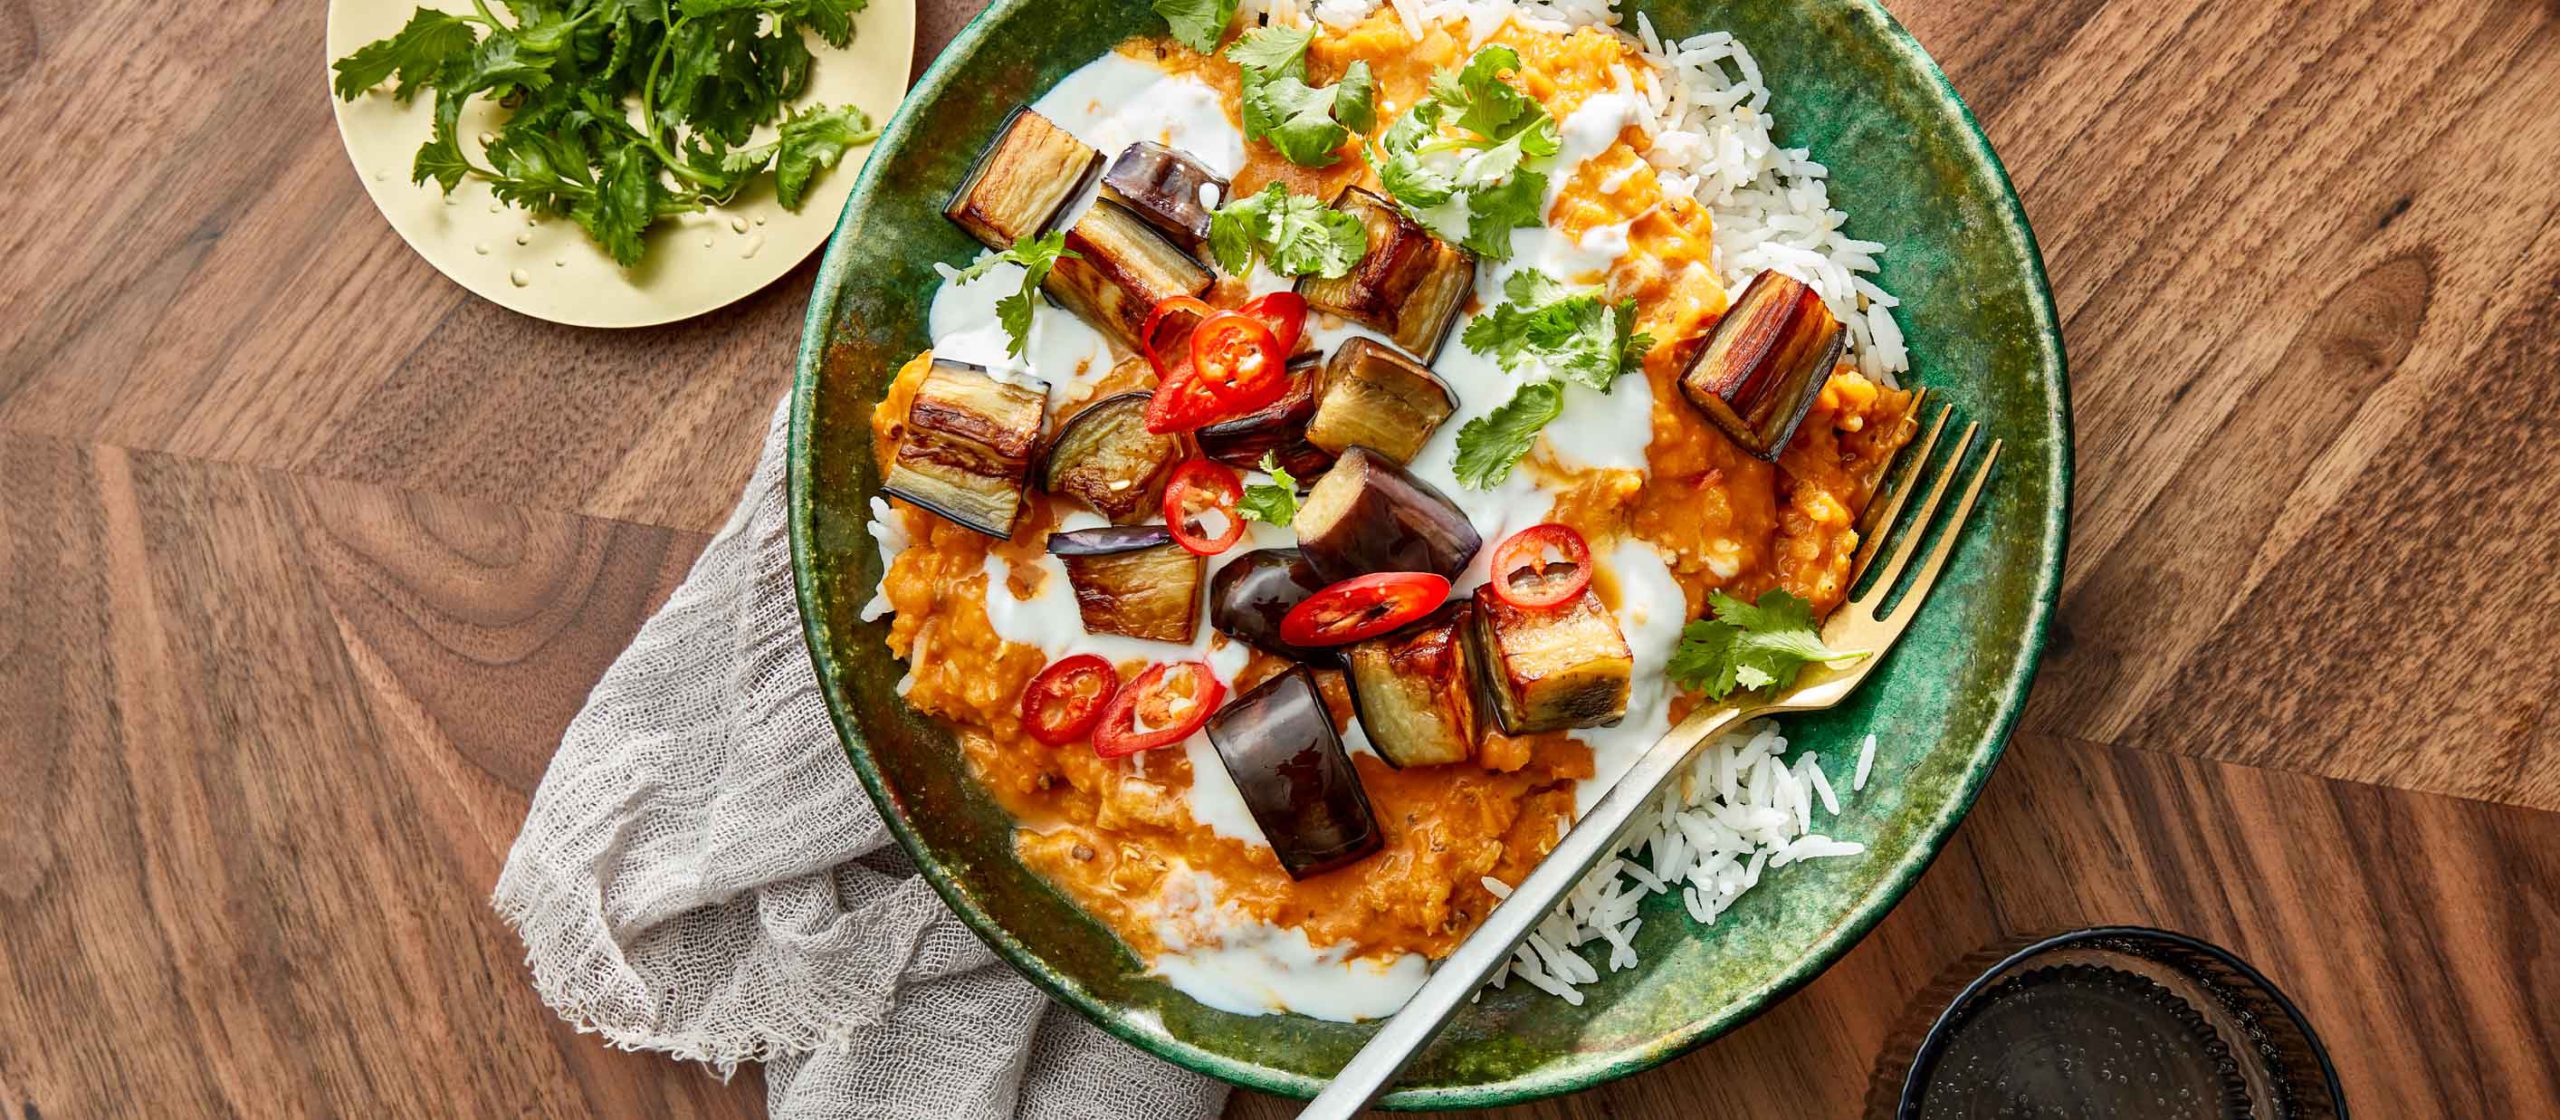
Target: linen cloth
702	874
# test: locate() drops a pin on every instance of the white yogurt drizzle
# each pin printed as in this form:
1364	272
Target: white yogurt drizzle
1214	953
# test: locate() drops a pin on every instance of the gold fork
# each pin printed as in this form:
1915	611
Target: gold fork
1863	623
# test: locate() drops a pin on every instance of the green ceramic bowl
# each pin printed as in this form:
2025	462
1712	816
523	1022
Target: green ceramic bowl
1910	166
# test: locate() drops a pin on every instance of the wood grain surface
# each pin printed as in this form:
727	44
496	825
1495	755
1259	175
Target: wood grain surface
307	557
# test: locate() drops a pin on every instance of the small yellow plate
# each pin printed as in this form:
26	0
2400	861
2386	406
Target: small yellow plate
546	267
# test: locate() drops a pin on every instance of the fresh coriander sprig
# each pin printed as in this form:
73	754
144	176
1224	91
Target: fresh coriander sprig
1547	329
1274	502
1036	256
1297	234
1751	645
1465	160
1544	331
1306	124
704	75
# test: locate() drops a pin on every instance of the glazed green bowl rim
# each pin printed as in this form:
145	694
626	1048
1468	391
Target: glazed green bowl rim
1826	949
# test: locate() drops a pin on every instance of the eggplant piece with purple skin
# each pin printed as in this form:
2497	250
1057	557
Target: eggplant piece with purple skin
1550	668
967	446
1765	362
1172	191
1415	691
1132	580
1023	181
1278	429
1252	593
1279	745
1377	398
1105	457
1409	286
1369	515
1122	269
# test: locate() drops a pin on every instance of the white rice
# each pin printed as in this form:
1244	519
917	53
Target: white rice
1741	809
1710	845
1706	108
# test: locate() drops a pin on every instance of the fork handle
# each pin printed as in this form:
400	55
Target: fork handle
1458	978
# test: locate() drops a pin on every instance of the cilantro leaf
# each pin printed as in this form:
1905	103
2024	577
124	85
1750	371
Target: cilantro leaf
1546	329
1491	444
440	158
1295	232
505	60
623	204
1197	24
1751	645
1306	124
831	19
1472	181
1273	50
807	144
1274	502
418	52
1355	97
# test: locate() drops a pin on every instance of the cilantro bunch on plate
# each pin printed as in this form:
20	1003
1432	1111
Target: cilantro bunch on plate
1466	160
621	112
1545	333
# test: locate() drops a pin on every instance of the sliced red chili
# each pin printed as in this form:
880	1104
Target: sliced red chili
1284	312
1165	339
1200	506
1163	706
1065	700
1542	566
1237	366
1362	607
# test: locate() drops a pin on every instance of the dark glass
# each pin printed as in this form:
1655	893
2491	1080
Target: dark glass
2117	1023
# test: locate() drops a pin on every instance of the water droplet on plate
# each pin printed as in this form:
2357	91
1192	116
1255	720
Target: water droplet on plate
738	225
753	244
519	278
481	248
523	238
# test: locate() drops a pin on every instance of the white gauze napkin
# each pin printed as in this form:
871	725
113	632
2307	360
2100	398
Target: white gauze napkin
702	874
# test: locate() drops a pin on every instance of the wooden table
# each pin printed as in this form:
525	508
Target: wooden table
306	558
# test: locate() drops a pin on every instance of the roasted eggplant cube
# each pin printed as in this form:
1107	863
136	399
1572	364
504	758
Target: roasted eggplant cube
1415	691
1132	580
967	446
1408	286
1029	174
1172	191
1278	429
1377	398
1106	458
1765	362
1252	593
1369	515
1122	269
1279	745
1549	669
